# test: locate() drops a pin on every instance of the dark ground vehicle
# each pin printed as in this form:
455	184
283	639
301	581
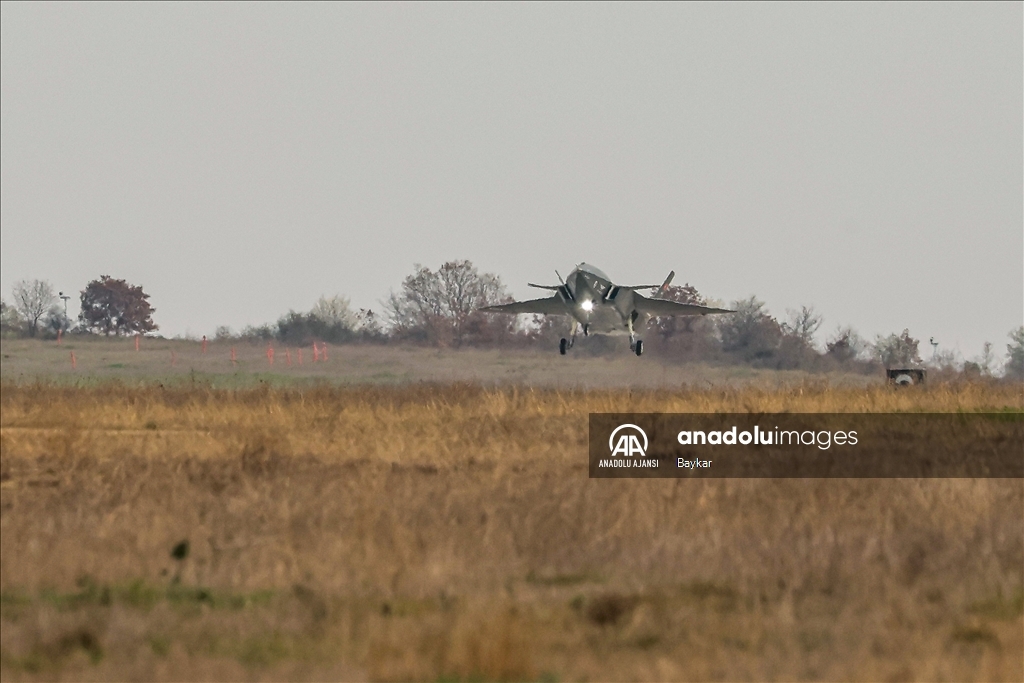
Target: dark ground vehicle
905	377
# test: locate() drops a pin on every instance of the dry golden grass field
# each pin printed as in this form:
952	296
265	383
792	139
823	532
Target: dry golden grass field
231	528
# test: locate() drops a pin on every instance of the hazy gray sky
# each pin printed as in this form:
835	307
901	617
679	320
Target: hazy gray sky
238	160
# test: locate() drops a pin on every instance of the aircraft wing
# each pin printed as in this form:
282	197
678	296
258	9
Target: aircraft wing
551	304
666	307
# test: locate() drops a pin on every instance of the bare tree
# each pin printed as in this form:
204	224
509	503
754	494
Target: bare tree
802	325
441	307
33	299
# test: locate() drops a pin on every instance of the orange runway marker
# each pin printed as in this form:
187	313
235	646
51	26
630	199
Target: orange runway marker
74	362
234	358
59	332
136	342
270	355
316	353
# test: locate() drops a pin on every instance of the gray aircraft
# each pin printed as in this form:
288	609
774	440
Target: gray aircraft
599	306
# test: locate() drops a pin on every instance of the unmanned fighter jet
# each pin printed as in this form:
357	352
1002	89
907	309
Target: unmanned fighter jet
598	306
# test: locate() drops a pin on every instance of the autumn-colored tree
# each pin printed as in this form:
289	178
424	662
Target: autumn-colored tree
114	306
670	325
845	344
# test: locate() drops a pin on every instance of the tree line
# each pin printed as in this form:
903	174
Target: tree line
108	306
440	308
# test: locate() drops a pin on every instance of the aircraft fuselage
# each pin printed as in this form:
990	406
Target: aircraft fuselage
599	306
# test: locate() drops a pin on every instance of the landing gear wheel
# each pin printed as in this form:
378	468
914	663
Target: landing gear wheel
639	348
563	345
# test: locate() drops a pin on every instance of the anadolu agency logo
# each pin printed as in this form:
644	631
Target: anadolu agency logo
630	442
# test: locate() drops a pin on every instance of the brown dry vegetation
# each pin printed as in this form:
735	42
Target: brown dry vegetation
450	532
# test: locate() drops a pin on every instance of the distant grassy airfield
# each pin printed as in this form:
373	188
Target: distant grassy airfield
100	359
248	522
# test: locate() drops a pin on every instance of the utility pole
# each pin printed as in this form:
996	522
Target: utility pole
65	298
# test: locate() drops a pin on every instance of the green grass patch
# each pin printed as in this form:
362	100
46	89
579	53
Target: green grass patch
1000	607
975	635
159	645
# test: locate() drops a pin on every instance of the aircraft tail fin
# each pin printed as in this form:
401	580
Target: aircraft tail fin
665	284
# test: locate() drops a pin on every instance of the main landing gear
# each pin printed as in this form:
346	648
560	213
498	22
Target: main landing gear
635	345
566	344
